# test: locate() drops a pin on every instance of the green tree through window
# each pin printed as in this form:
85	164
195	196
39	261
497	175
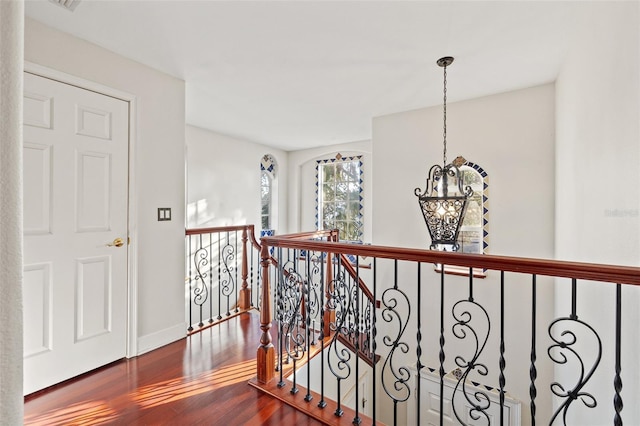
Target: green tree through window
340	196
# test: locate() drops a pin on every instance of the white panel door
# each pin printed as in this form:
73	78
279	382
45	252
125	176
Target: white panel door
76	146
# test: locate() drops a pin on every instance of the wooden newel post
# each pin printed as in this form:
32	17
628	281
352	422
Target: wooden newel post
245	291
266	357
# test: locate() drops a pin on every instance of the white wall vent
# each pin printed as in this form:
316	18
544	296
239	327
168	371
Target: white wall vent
67	4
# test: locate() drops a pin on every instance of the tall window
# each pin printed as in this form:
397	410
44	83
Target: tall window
474	231
265	191
268	195
471	238
339	202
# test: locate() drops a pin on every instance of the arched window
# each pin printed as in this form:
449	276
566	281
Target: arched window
474	232
268	196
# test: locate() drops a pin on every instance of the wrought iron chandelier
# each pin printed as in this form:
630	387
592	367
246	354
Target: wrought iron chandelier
444	201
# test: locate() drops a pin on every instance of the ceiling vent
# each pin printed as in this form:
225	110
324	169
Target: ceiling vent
70	5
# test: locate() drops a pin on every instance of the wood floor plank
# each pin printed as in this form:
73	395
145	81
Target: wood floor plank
199	380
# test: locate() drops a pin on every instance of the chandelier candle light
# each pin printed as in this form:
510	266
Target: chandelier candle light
444	201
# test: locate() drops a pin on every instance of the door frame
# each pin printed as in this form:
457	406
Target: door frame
132	257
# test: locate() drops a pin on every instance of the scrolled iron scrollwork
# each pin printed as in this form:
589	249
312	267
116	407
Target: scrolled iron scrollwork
227	283
200	290
367	325
561	352
399	390
463	330
340	301
314	298
291	298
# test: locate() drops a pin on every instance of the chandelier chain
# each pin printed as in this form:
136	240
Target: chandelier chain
444	130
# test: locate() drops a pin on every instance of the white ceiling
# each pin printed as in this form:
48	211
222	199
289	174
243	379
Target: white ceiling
300	74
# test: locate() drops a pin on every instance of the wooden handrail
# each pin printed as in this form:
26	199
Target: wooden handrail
556	268
213	230
252	237
351	270
310	235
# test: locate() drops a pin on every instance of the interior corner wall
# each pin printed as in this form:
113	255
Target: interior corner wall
158	170
598	191
302	184
223	181
11	228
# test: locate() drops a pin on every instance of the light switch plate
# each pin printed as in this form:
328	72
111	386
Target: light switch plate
164	214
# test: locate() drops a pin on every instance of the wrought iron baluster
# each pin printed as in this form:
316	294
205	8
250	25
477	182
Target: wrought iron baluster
210	249
419	343
563	348
228	283
617	381
200	292
190	255
501	377
294	340
236	268
463	311
356	286
307	305
280	316
533	372
259	281
373	338
399	391
253	292
219	317
338	359
441	354
322	403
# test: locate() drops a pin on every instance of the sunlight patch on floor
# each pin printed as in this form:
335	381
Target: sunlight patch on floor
84	413
173	390
99	412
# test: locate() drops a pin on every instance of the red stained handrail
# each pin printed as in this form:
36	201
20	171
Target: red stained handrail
554	268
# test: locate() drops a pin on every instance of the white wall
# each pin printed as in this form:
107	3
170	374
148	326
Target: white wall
598	190
223	181
158	168
511	136
302	184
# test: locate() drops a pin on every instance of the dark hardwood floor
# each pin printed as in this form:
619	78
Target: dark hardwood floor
200	380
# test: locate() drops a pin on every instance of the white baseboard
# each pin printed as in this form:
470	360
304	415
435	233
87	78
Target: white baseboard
160	338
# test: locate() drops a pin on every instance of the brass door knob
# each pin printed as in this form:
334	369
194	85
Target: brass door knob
118	242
